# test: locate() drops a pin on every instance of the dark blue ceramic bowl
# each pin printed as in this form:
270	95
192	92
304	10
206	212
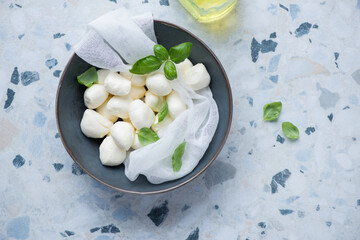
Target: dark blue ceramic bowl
85	151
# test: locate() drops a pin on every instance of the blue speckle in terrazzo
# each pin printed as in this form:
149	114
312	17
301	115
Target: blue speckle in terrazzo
324	2
76	170
283	7
68	46
274	79
233	149
330	117
15	76
309	130
303	29
164	2
294	11
346	107
286	211
50	63
56	73
242	131
46	178
58	35
336	54
250	100
216	207
145	1
316	26
262	224
262	232
11	6
21	36
272	9
114	1
58	166
268	46
39	119
18	161
317	208
57	135
328	223
252	123
65	5
94	229
28	77
159	213
273	35
280	139
358	4
110	229
69	233
63	234
279	178
10	98
301	214
18	228
274	62
123	213
185	207
358	202
265	47
194	235
292	199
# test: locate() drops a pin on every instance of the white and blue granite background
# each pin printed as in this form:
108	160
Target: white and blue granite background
262	186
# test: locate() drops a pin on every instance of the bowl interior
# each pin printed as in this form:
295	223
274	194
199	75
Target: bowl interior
85	151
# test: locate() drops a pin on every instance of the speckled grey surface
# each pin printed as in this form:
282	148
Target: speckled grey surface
262	186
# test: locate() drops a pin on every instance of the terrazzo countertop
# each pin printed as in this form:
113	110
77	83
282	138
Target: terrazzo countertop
262	186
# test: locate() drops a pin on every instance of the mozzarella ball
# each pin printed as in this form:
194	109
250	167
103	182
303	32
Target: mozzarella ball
93	125
158	84
141	114
136	144
156	103
110	153
197	77
184	66
137	92
95	95
119	106
123	134
102	74
117	85
136	80
157	126
105	112
175	104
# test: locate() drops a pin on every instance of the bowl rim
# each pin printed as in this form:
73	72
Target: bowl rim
182	183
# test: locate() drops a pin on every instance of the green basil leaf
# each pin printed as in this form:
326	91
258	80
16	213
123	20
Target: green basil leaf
272	111
161	52
290	130
176	157
146	65
162	114
180	52
170	70
147	136
88	78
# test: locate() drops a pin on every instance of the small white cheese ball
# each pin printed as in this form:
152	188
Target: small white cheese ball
110	153
197	77
184	66
175	104
137	92
105	112
158	84
123	134
156	103
141	114
136	144
102	74
136	80
117	84
119	106
94	125
157	126
95	95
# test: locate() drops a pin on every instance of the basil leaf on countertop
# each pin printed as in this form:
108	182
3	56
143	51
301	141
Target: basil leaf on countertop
290	130
170	70
180	52
88	78
146	65
161	52
147	136
162	114
272	111
176	157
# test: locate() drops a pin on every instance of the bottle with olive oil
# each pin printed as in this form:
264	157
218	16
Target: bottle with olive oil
208	10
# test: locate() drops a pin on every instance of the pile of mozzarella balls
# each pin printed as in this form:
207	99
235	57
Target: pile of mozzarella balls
135	101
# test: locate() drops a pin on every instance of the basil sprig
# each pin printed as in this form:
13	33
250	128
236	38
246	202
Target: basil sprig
272	111
176	157
162	114
151	63
147	136
88	78
290	130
